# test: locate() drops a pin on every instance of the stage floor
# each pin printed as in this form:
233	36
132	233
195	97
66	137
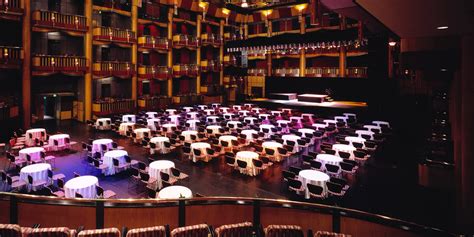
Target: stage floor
333	104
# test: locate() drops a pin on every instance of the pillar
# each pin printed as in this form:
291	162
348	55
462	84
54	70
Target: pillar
221	52
342	50
170	52
302	52
134	52
88	54
198	53
26	75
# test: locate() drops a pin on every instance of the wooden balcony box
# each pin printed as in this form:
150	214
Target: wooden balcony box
190	70
210	66
116	69
153	72
47	64
113	106
211	39
187	41
55	20
229	60
10	57
119	36
150	42
11	9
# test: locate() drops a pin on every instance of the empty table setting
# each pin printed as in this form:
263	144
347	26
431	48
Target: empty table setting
124	127
202	146
33	152
108	158
175	192
103	124
328	159
99	143
84	185
35	133
130	118
160	166
159	143
248	156
313	177
39	172
59	142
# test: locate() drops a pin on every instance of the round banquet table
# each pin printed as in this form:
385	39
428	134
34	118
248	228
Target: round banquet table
141	132
248	156
297	120
287	110
61	138
228	116
160	166
108	160
84	185
212	119
37	171
187	135
370	127
202	107
267	126
152	123
235	123
227	138
193	123
202	146
97	145
313	177
274	146
328	159
123	128
151	114
365	132
168	126
224	109
131	118
319	126
355	139
345	148
209	111
248	133
160	144
264	116
175	192
330	122
378	123
216	105
257	110
174	118
193	115
214	128
39	133
341	118
275	113
171	111
34	152
280	122
250	120
244	112
294	138
188	109
237	107
106	124
249	105
305	131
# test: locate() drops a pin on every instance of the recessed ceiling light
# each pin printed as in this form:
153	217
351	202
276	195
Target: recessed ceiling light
442	27
392	43
444	69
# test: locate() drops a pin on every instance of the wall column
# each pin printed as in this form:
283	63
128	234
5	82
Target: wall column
198	53
134	52
302	52
26	74
170	52
342	50
88	54
221	52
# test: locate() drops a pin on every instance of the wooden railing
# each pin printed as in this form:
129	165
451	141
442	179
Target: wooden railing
150	42
230	36
11	6
359	72
67	64
113	106
288	72
154	103
59	21
185	40
212	39
10	56
257	72
154	72
215	211
117	69
114	35
211	65
114	4
230	60
185	70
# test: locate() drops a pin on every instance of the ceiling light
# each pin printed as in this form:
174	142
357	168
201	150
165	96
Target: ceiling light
245	4
442	27
392	43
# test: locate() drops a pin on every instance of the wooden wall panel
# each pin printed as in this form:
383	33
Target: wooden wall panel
217	215
141	217
5	211
51	215
357	227
305	219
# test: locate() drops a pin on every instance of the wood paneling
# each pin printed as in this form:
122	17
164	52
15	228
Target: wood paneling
141	217
5	211
305	219
52	215
357	227
217	215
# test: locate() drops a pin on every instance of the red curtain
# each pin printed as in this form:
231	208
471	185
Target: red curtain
140	28
184	86
185	57
155	87
184	29
140	88
154	58
154	30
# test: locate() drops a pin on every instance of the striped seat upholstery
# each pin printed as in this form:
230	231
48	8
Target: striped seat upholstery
235	230
283	231
329	234
201	230
48	232
154	231
10	230
110	232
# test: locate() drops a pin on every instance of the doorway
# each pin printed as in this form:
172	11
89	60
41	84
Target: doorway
49	107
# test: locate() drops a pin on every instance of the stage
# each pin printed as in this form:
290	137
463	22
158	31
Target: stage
332	107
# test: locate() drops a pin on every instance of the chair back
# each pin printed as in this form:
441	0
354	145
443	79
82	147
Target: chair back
283	230
154	231
315	189
240	229
242	164
109	232
201	230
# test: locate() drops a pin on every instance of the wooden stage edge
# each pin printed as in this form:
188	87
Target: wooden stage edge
350	105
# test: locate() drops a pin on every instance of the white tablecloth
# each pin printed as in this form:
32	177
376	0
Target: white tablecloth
34	152
378	123
171	111
193	123
37	171
244	112
305	131
345	148
141	132
248	156
275	113
188	109
202	147
249	105
237	107
216	105
274	146
248	134
328	159
209	111
291	137
175	192
168	126
212	119
227	138
257	110
130	118
224	109
151	123
214	128
160	143
235	123
61	138
123	128
355	139
84	185
369	127
174	118
202	107
287	110
313	177
319	126
108	160
187	135
151	115
97	144
35	133
330	122
106	123
250	120
193	115
365	132
264	116
160	166
280	122
228	116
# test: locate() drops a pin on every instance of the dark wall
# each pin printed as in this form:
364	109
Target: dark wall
55	43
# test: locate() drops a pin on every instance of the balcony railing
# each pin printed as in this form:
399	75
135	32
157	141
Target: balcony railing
286	72
59	21
211	65
185	41
10	56
359	72
154	103
11	7
190	70
113	106
153	72
150	42
114	35
65	64
114	4
117	69
257	72
230	60
230	37
211	39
